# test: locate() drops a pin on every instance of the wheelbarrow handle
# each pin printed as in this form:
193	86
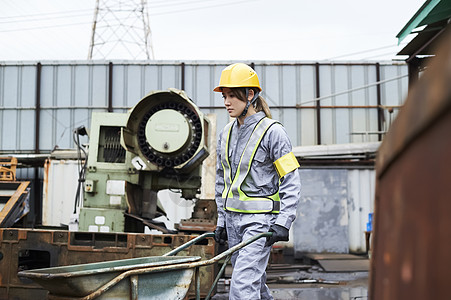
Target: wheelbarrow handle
241	245
212	234
189	243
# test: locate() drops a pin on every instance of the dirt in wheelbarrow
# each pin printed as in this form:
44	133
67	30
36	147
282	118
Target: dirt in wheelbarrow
306	282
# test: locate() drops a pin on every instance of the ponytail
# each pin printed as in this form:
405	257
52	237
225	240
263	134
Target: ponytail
262	105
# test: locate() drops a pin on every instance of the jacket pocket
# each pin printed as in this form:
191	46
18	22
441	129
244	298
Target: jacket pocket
263	171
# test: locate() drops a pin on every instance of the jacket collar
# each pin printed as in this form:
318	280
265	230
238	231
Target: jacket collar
251	120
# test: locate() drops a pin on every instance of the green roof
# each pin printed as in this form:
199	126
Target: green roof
431	11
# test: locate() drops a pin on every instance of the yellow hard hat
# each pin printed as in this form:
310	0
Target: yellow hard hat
238	75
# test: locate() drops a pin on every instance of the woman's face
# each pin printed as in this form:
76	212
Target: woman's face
233	105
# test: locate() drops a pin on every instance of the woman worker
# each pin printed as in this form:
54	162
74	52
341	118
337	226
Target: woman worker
257	181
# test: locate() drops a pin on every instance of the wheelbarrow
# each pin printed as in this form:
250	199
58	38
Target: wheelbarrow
156	277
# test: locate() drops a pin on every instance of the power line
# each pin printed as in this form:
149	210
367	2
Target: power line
363	51
156	4
379	55
204	7
45	27
353	89
84	23
46	14
43	19
175	1
165	4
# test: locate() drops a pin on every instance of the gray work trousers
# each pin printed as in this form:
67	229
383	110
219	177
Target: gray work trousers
249	263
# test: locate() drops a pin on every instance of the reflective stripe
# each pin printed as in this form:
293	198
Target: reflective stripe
225	158
256	205
286	164
234	198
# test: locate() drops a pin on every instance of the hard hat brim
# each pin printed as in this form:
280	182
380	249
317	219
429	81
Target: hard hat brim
219	88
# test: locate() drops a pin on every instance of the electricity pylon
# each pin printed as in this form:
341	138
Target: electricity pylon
121	30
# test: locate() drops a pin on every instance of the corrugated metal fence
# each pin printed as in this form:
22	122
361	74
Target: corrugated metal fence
42	103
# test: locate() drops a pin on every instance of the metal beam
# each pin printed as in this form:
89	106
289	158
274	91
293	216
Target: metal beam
318	106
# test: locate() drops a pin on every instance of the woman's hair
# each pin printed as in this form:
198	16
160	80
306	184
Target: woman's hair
259	104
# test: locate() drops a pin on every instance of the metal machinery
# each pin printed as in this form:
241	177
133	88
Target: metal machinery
159	144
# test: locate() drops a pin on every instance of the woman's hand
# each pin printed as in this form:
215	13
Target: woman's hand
220	235
279	233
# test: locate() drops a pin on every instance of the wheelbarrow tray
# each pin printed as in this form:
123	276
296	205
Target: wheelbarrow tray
156	277
81	280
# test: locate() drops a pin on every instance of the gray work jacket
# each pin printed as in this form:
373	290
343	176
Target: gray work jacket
262	178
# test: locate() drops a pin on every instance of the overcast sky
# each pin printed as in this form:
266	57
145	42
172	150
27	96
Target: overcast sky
283	30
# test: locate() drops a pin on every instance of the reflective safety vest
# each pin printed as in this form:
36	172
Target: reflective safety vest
234	198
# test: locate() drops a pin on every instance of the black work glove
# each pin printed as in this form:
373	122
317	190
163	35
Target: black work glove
279	233
220	235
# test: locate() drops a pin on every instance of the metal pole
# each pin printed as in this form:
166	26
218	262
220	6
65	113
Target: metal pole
380	112
318	106
226	261
37	209
94	25
197	272
38	107
182	65
110	87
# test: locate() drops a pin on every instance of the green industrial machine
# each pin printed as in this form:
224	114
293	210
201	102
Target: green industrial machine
159	144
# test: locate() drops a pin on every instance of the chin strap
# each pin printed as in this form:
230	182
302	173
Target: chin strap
249	102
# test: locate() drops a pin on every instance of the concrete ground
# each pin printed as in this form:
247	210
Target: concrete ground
308	282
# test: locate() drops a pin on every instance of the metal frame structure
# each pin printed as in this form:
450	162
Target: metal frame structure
123	24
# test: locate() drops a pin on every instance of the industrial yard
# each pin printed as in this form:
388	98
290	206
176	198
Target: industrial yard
108	169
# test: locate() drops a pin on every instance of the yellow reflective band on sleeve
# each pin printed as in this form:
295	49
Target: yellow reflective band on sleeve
286	164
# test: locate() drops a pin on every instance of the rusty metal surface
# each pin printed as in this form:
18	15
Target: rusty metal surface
196	225
8	168
24	249
412	239
203	218
13	194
